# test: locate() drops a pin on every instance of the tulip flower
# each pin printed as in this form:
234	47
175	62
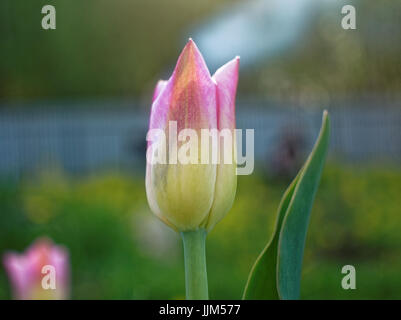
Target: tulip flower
41	273
192	197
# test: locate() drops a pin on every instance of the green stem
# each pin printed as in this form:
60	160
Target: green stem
195	264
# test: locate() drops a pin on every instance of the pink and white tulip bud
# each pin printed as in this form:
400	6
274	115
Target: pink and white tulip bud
197	193
40	273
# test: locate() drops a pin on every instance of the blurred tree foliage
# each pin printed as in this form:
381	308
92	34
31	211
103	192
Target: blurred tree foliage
120	48
100	47
330	62
119	250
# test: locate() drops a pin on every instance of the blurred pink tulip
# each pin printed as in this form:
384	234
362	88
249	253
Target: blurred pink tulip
40	273
191	196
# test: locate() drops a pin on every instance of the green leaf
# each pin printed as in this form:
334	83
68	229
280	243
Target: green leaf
276	273
262	280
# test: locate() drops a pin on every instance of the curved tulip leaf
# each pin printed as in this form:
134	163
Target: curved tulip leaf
262	280
276	273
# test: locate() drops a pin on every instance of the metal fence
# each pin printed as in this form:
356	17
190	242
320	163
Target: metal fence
88	136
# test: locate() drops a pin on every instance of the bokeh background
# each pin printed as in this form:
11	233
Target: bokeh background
74	108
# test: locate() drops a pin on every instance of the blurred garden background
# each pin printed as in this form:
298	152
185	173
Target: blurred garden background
74	108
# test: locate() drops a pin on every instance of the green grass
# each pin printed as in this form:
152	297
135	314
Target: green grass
119	250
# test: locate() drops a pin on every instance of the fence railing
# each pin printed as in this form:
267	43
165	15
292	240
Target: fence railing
82	138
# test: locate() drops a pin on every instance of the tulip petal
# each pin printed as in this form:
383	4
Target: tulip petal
18	271
25	271
161	84
58	258
226	78
194	95
189	99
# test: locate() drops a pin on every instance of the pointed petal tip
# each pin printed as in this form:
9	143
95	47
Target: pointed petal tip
232	63
191	58
230	68
192	49
236	61
190	42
